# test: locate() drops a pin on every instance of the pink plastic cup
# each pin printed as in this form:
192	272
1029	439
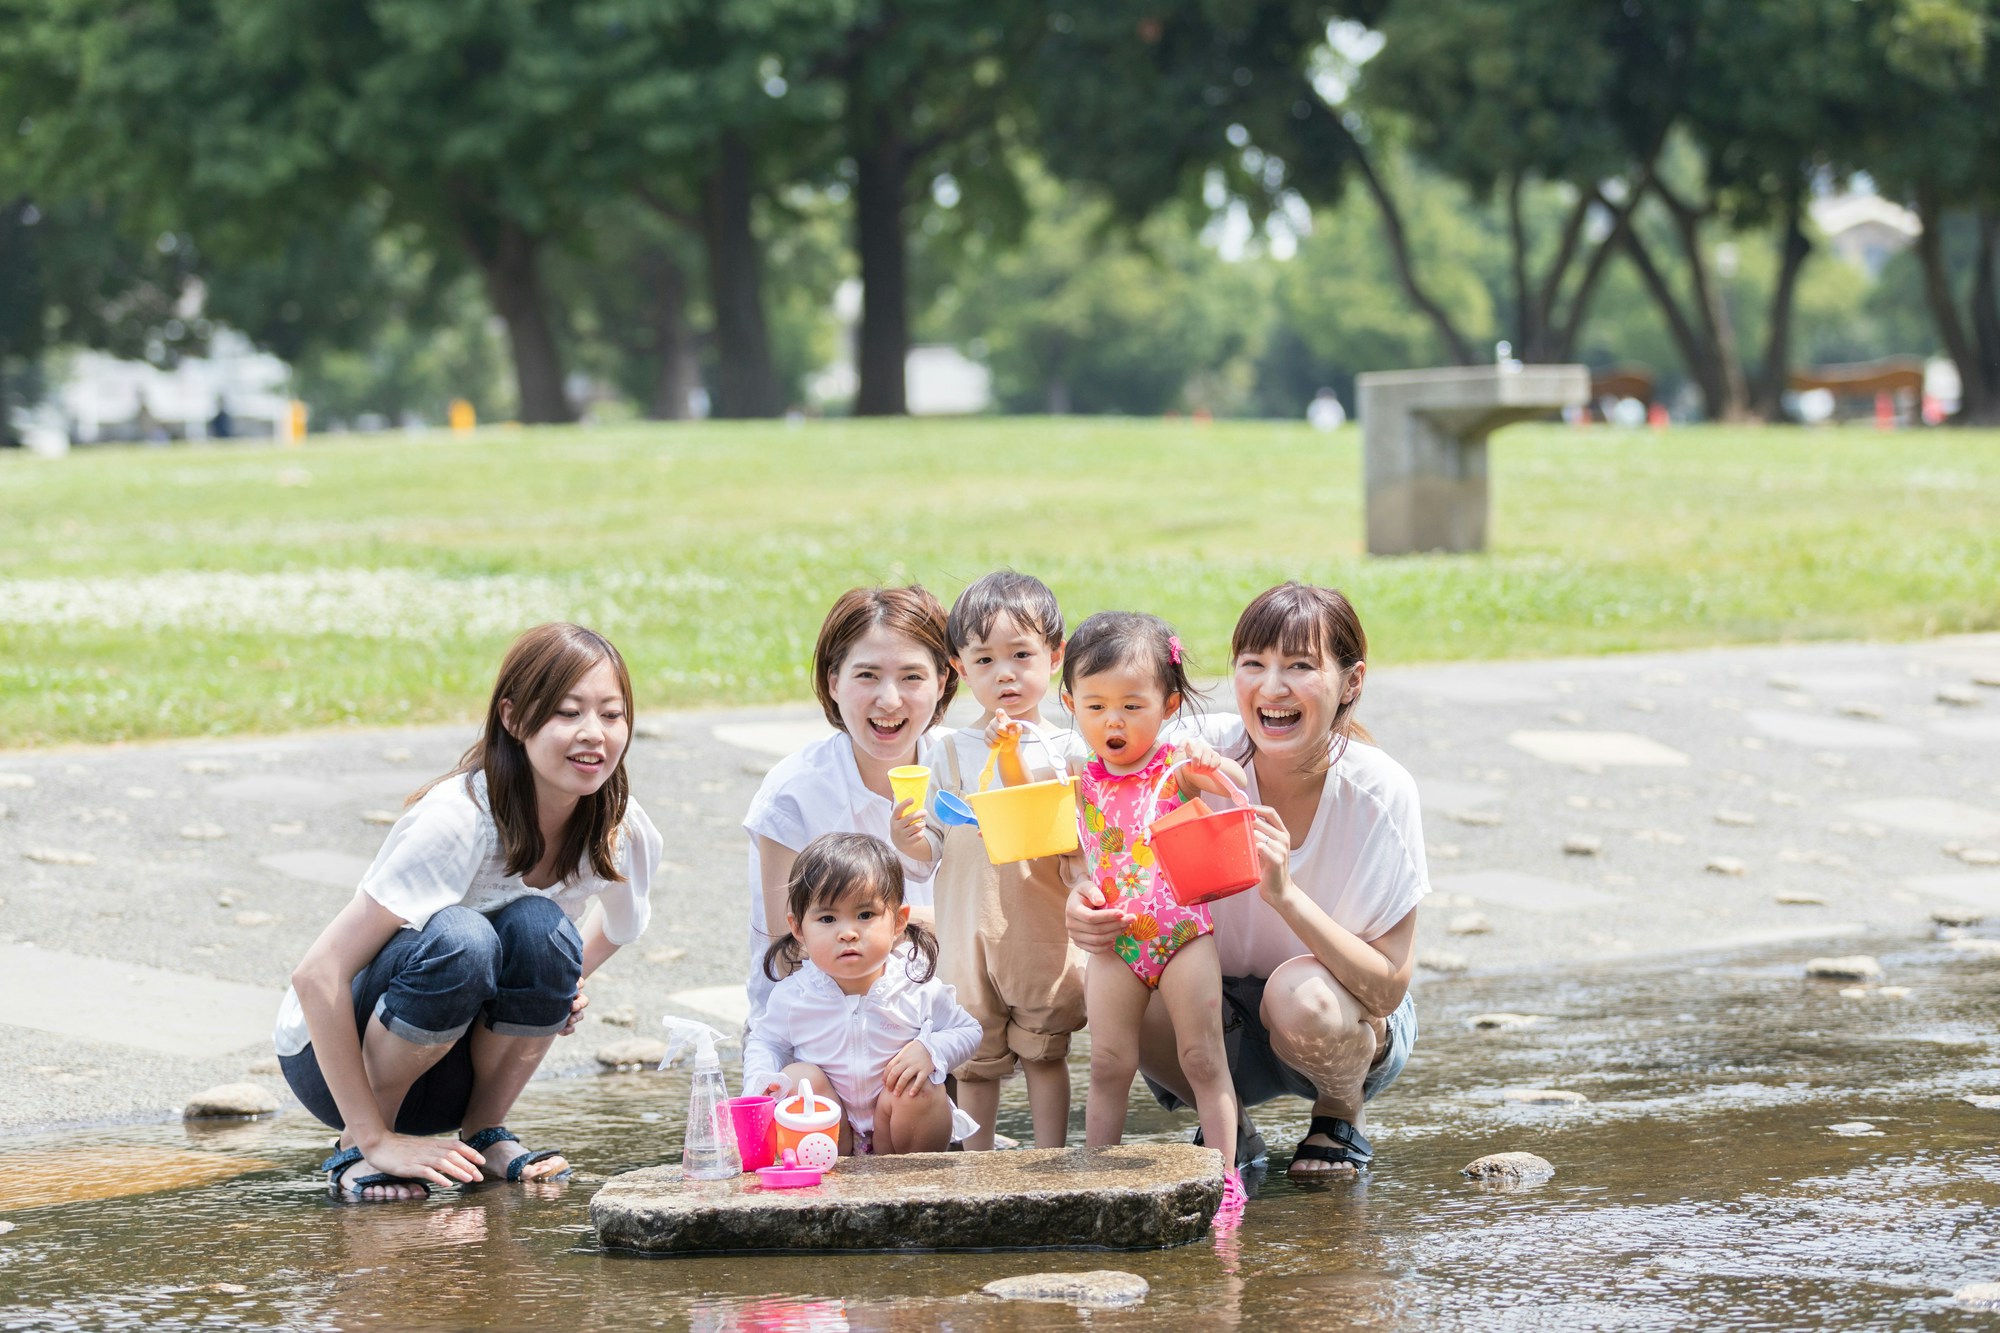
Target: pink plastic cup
754	1119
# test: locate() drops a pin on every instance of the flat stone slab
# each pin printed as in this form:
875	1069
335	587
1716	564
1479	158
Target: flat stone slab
1133	1197
1928	814
102	999
1830	733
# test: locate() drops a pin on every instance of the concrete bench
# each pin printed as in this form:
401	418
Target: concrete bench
1423	435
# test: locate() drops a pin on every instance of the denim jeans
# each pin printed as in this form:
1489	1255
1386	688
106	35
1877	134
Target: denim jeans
516	970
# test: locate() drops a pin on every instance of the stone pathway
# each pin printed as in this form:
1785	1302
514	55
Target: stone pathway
153	899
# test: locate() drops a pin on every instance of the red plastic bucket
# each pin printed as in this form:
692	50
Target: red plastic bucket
1205	856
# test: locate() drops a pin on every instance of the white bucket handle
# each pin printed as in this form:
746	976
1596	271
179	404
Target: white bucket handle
1160	787
1039	733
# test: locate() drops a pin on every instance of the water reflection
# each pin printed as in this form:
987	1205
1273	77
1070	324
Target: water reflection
1701	1184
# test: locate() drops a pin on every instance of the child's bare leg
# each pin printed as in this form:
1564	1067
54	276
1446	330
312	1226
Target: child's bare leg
980	1099
916	1123
1192	989
1048	1100
1116	1002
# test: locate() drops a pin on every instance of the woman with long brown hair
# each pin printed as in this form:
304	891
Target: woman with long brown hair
430	1000
1316	963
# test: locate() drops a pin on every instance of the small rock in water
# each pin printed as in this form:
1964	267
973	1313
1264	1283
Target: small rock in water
1985	1101
230	1099
1891	992
1856	1129
1477	818
1442	960
1957	918
1979	856
644	1052
1851	967
227	1288
1724	865
1492	1022
52	856
1735	818
1958	696
1856	708
203	832
6	1227
251	920
381	817
209	766
1099	1287
622	1016
267	1066
1470	923
1542	1096
1979	1295
225	900
1978	948
15	782
1509	1168
1582	844
1795	899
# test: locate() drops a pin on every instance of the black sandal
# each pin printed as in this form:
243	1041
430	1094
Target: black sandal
486	1138
1350	1147
338	1165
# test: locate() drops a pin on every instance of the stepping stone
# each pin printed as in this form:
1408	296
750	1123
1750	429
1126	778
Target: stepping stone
1851	967
56	856
231	1100
1477	818
1856	708
1958	696
1928	814
1101	1288
1979	1295
1831	733
1470	923
633	1052
1443	961
382	818
1735	818
1598	749
1724	865
102	999
1957	918
203	832
1582	844
1135	1196
1508	888
772	738
1801	900
337	869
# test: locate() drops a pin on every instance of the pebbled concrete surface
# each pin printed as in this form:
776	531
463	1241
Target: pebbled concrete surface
1710	783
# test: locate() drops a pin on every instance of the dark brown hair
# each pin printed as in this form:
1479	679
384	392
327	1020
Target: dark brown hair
833	868
1129	638
541	668
1023	597
1299	620
911	612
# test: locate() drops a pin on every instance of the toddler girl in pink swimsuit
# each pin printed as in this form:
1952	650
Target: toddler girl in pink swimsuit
1124	676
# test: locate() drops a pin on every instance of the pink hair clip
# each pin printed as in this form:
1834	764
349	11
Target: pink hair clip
1174	649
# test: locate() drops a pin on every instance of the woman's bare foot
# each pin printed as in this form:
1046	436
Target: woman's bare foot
498	1155
378	1193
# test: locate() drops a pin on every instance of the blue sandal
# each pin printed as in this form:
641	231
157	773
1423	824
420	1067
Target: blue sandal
337	1165
486	1138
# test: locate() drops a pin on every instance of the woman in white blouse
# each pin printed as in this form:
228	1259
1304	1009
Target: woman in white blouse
429	1001
1316	961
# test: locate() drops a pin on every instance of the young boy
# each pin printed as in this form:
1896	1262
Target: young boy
1002	942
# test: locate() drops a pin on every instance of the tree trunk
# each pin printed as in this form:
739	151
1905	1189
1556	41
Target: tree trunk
676	373
1986	313
1399	249
1526	323
1974	402
745	383
1695	355
510	259
1795	248
882	163
1718	328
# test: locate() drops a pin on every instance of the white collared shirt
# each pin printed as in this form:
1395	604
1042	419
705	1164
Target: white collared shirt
809	1019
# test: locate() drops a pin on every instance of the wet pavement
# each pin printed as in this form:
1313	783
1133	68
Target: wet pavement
1756	1151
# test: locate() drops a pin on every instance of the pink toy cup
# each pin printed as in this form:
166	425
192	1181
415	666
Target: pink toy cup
755	1122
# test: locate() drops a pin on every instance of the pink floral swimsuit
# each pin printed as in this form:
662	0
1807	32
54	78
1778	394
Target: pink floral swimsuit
1122	865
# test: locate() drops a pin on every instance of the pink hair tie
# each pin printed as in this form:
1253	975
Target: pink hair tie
1174	649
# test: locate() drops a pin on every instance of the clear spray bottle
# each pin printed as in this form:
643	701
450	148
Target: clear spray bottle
709	1146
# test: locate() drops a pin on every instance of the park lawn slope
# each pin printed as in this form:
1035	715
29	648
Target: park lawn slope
219	589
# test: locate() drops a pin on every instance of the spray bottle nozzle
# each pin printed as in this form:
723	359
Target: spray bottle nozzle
683	1033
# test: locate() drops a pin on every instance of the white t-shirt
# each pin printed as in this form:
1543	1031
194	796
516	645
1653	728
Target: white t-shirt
818	790
445	850
809	1019
1362	861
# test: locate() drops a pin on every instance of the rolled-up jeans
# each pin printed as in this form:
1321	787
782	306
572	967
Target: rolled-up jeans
516	970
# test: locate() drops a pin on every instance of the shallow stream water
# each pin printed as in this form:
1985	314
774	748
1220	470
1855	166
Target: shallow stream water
1758	1151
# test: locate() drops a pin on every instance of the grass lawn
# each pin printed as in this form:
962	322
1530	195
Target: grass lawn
215	589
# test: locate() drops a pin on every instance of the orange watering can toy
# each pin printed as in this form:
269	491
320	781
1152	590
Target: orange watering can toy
1035	819
809	1129
1205	855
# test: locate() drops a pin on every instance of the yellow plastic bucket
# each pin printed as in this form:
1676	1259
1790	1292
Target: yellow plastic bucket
1022	823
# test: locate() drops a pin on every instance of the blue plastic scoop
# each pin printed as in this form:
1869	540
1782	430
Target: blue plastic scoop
953	810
